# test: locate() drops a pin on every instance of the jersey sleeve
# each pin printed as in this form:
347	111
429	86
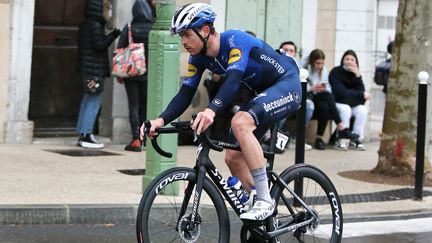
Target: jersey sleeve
239	53
178	104
227	92
181	101
195	70
240	45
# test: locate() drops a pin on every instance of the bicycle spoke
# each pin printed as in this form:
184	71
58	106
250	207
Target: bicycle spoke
315	194
164	220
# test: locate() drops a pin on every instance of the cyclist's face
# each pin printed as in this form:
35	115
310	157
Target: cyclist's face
191	42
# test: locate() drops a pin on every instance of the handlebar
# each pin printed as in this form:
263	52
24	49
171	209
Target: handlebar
179	127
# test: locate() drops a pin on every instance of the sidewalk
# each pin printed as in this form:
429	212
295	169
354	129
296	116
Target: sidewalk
41	186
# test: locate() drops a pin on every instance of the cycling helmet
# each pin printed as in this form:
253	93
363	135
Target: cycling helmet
191	16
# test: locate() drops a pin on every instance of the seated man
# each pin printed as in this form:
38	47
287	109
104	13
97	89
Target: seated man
290	48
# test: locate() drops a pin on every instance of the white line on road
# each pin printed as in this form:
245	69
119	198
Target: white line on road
387	227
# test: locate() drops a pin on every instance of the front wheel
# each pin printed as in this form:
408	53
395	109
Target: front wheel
161	218
320	196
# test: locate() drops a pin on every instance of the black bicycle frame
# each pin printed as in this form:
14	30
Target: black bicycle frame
205	165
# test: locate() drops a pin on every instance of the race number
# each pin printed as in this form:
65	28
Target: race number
281	141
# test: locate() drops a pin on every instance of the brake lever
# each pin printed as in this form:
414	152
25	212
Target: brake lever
195	137
147	126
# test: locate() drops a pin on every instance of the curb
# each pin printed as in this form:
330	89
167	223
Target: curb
126	214
68	214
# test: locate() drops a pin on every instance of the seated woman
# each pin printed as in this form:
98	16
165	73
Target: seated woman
325	106
350	95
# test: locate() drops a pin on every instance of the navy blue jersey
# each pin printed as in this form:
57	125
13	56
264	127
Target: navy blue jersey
245	60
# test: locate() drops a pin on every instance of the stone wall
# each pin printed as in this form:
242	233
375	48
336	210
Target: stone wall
4	64
114	118
18	128
355	27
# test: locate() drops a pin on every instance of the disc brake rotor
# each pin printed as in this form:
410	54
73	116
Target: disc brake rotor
189	233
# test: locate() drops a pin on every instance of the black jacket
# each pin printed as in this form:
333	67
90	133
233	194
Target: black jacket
346	87
93	44
143	19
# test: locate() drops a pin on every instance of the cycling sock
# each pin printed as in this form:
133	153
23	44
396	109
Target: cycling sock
261	183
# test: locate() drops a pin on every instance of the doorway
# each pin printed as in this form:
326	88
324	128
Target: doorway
272	21
56	90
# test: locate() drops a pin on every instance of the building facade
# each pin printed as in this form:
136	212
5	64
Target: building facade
40	92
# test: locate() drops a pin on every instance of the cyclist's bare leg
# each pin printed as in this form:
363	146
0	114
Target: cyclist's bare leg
243	125
238	167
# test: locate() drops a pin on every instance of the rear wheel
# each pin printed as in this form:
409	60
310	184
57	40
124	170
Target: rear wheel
160	218
320	195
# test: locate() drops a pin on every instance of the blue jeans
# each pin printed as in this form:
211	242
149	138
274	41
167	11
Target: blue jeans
310	107
89	109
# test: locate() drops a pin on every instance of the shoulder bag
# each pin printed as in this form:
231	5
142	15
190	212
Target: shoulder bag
129	61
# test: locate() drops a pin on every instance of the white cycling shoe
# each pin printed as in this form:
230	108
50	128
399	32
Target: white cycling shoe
260	211
252	199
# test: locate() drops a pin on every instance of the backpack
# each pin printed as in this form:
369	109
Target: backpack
382	72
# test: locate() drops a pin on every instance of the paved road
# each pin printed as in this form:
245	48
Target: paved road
47	233
67	233
403	231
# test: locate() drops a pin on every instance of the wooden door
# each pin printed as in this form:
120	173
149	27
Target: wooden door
56	90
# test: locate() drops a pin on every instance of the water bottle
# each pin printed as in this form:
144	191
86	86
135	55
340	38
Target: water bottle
235	184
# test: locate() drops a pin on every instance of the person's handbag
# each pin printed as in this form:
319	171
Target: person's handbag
129	61
382	72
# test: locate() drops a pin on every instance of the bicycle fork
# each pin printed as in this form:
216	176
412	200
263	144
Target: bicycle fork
194	220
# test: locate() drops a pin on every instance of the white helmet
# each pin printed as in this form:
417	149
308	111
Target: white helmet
191	16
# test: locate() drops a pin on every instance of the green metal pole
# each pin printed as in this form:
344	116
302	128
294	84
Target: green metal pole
163	84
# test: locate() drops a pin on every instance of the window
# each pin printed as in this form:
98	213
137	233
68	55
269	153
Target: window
387	22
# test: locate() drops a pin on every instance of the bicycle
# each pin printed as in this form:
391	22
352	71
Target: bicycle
187	204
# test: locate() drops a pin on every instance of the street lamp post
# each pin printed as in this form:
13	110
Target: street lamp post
163	82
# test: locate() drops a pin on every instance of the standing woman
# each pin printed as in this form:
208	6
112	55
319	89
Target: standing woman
325	106
94	66
350	95
143	12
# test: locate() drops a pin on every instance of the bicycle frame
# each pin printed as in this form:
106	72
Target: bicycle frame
289	218
204	166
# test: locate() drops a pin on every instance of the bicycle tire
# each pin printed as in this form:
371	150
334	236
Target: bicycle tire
158	213
319	194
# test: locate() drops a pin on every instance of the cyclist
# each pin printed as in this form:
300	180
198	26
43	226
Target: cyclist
247	61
